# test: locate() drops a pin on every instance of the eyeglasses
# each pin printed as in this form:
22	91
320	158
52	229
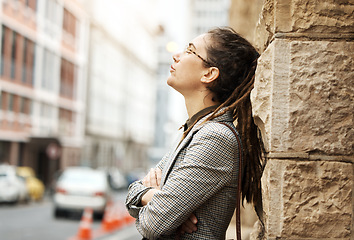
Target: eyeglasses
189	50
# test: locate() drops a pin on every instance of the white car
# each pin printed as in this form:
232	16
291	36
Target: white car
13	188
80	187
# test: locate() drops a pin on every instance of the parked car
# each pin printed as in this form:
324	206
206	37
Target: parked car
116	178
34	186
12	187
81	187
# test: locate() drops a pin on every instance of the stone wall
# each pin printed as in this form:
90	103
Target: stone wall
303	101
244	16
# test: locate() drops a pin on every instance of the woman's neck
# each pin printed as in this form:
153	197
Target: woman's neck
195	103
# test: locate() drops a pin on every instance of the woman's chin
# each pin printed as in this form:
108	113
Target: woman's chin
169	81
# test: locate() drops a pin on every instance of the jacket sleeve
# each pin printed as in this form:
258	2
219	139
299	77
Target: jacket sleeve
136	190
206	167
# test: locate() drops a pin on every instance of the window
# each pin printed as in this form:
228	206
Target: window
17	57
51	10
28	106
2	50
3	100
6	51
69	23
66	118
48	77
31	4
67	79
10	106
24	105
24	67
13	55
16	103
28	62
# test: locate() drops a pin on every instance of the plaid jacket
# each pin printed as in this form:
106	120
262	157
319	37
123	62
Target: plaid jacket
200	177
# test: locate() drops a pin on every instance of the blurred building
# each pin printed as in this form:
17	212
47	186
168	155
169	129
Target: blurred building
206	14
42	82
165	125
121	84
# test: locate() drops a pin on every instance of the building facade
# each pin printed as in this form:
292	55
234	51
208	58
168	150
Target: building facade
42	77
206	14
121	85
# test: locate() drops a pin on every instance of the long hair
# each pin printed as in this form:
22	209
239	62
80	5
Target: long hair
236	60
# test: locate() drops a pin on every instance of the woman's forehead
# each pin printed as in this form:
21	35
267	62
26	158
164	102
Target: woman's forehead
200	42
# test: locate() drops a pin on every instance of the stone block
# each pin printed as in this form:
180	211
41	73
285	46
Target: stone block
308	199
265	26
321	108
303	96
325	16
328	19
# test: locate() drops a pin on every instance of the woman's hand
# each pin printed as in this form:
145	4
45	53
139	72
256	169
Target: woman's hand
190	225
153	178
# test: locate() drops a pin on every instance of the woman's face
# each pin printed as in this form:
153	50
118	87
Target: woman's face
187	69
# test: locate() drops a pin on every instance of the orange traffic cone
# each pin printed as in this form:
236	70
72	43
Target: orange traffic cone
107	221
117	217
85	232
128	219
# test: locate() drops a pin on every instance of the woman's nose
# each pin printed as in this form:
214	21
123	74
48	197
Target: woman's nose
176	57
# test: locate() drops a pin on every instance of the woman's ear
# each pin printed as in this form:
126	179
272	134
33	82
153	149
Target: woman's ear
210	75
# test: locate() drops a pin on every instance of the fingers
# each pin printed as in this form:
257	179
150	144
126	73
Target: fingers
158	173
153	178
193	219
190	225
146	181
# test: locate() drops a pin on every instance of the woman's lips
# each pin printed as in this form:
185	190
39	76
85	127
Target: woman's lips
172	69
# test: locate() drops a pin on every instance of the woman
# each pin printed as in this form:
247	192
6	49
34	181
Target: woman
191	194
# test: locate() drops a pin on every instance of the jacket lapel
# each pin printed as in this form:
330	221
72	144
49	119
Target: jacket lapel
227	117
173	156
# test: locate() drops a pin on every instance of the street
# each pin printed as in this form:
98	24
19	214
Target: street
35	221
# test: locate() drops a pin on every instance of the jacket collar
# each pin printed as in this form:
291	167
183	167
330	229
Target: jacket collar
195	117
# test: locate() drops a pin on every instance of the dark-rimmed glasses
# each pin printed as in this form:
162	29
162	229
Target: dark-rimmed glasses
190	50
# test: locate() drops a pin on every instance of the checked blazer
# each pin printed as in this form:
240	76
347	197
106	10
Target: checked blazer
198	176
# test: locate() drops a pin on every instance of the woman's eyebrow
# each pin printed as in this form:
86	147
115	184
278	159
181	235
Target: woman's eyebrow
191	45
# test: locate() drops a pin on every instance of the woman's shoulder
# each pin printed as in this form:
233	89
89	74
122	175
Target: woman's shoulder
219	129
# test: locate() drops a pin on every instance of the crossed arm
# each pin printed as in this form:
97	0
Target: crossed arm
209	159
153	179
